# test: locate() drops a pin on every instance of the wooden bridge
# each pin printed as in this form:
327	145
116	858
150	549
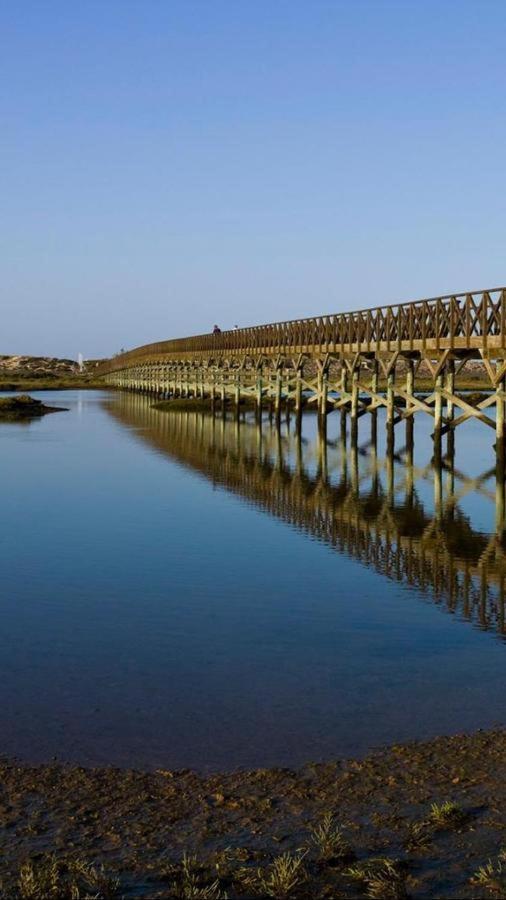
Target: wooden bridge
352	362
351	499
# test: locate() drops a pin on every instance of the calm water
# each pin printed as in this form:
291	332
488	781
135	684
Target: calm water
179	591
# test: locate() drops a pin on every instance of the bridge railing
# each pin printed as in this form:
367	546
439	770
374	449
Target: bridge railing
459	318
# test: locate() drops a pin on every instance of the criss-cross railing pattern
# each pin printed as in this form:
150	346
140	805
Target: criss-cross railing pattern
475	320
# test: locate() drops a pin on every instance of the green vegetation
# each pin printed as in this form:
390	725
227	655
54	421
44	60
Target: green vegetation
492	875
282	877
382	878
190	882
329	840
45	383
49	878
446	815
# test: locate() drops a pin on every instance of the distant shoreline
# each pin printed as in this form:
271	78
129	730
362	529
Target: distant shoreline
52	384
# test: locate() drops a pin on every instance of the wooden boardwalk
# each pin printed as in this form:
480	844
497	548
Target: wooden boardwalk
349	362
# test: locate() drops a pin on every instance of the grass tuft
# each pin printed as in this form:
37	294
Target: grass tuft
446	815
382	878
281	879
492	875
76	880
329	840
191	883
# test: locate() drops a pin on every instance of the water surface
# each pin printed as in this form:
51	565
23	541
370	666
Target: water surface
182	591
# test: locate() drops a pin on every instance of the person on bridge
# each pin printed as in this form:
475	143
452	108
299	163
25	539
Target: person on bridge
216	329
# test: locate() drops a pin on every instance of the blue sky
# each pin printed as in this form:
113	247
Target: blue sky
168	165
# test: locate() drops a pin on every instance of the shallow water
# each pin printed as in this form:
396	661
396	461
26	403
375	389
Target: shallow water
179	591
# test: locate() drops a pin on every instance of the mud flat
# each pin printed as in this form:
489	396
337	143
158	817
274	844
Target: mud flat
423	820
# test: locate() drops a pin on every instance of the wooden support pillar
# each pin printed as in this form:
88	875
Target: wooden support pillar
277	393
343	391
298	398
259	391
223	390
237	392
323	390
499	422
500	472
410	421
354	404
374	413
450	387
438	419
390	410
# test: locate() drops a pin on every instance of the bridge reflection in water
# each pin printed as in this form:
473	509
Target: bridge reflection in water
350	497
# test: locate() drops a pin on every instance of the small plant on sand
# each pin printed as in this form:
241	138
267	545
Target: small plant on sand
492	876
282	878
442	816
329	840
39	880
446	815
383	879
190	883
73	880
420	833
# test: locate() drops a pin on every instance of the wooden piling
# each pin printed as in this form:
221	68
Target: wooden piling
354	403
390	410
438	418
450	388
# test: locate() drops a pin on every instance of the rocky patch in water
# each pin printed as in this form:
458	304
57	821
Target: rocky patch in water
25	407
422	820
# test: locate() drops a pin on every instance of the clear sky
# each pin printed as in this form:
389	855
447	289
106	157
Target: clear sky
168	164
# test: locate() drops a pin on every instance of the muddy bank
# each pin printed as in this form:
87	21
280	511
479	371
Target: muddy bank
25	407
420	820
